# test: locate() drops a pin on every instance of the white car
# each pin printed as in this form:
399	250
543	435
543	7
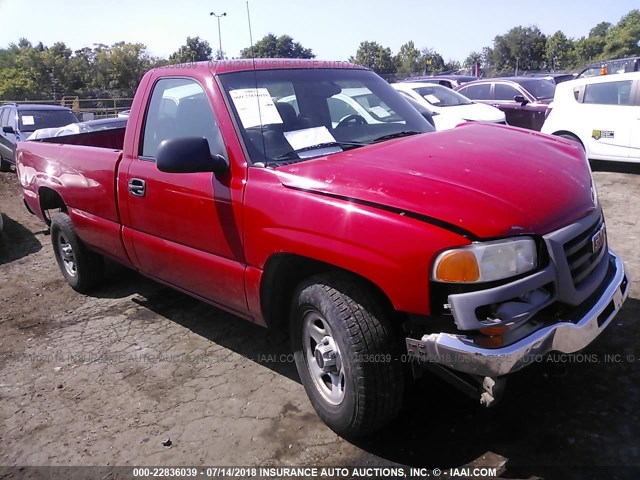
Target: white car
352	102
80	127
601	113
451	108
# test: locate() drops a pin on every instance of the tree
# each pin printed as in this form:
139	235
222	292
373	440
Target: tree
408	59
520	48
271	46
559	51
432	61
195	50
452	65
374	56
473	62
120	66
588	49
600	30
623	40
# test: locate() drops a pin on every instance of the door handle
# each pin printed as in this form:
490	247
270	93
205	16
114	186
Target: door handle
137	187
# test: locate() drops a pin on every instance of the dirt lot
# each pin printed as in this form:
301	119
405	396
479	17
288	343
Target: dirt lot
105	379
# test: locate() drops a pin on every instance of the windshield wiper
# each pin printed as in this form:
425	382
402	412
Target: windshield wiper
404	133
318	146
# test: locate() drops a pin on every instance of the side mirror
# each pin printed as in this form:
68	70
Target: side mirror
520	99
188	155
8	130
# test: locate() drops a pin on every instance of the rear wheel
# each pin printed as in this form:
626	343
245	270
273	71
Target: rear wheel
82	268
5	166
346	354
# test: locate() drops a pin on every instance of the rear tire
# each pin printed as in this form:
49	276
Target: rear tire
81	268
346	354
4	165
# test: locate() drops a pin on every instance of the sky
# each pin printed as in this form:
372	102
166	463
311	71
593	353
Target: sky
333	29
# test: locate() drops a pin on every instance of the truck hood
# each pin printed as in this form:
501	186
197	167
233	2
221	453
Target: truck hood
485	181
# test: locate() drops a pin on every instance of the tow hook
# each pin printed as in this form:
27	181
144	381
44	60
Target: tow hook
491	390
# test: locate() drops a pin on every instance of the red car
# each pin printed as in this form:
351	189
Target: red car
524	100
380	245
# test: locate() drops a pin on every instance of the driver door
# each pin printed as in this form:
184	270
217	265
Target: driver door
181	225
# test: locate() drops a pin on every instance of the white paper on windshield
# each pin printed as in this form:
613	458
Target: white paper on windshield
255	107
308	137
432	98
28	120
379	111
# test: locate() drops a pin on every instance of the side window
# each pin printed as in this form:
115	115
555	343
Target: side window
178	108
609	93
505	92
477	92
4	116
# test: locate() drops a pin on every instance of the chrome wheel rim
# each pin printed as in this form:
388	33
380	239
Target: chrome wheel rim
323	358
66	255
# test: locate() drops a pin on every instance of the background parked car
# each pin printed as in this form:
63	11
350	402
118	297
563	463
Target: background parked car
18	121
80	127
601	113
424	111
620	65
524	100
448	103
553	77
446	80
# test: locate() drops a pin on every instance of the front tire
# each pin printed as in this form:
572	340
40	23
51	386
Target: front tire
573	138
82	268
346	354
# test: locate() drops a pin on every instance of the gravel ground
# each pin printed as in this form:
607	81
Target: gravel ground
138	374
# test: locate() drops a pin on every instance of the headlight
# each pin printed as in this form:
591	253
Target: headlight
485	262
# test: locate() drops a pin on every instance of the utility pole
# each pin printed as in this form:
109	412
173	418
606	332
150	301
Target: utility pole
213	14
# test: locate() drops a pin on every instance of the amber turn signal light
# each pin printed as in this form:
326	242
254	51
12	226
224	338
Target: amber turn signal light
458	266
494	330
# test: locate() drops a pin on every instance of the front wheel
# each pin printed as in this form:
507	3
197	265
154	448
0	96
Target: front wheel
346	354
82	268
573	138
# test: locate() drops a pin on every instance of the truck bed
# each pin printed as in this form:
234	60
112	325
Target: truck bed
81	169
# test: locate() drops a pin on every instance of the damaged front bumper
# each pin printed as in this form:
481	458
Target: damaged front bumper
461	353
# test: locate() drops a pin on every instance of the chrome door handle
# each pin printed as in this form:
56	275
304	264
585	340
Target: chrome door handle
137	187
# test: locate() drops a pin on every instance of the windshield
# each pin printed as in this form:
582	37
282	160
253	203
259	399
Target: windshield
295	111
31	120
539	88
440	96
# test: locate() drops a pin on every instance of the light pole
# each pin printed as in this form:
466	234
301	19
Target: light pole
213	14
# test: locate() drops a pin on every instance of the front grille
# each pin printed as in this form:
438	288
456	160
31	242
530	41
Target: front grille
581	258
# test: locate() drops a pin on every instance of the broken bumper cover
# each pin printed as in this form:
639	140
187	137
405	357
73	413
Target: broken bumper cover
459	353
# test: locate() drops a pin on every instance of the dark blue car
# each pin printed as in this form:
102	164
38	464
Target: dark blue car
18	121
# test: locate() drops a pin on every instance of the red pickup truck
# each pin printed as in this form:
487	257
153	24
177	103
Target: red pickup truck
311	196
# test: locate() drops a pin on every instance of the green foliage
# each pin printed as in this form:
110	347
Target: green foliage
521	47
42	72
623	40
374	56
195	50
29	71
559	52
408	59
432	61
271	46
